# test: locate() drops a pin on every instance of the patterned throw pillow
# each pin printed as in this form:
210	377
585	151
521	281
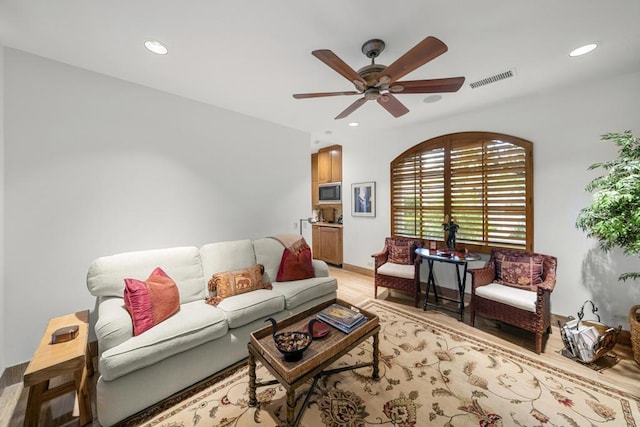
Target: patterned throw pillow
230	283
152	301
519	271
401	252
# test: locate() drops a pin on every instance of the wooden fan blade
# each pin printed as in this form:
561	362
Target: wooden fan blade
419	55
451	84
351	108
332	60
321	94
392	105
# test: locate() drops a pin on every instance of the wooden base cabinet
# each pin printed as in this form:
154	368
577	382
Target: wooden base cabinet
327	243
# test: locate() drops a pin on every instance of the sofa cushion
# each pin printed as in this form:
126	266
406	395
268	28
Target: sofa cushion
230	283
300	291
269	253
522	271
405	271
245	308
515	297
152	301
227	256
194	324
295	265
106	274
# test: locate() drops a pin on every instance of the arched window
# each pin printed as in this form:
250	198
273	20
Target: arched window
483	180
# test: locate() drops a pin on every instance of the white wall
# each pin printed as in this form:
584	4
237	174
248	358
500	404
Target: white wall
97	166
565	127
2	301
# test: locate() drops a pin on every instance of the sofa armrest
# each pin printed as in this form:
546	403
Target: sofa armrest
320	268
114	325
482	276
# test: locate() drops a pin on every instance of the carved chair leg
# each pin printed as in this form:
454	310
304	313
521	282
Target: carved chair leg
538	342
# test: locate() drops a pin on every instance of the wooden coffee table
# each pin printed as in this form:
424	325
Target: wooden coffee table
320	355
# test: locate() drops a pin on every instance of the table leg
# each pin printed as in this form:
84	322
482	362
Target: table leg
291	407
252	380
462	282
430	282
34	403
82	392
376	344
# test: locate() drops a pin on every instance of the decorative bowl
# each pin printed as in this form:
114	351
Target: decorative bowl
291	344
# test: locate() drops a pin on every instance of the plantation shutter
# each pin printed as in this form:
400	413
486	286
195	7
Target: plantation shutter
481	180
417	194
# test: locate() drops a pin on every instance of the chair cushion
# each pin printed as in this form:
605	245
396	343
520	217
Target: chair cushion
521	271
515	297
400	252
405	271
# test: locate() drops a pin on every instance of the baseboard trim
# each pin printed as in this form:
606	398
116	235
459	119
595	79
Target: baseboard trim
360	270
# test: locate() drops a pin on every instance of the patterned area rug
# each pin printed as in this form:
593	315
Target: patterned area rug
430	375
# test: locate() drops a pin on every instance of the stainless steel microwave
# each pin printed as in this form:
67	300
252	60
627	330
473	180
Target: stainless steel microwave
330	193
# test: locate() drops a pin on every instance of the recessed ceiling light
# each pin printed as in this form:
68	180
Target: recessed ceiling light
583	50
432	98
156	47
353	124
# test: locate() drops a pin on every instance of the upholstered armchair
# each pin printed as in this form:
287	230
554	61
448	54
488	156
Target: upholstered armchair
515	287
397	267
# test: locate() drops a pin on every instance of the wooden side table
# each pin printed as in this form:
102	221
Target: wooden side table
53	360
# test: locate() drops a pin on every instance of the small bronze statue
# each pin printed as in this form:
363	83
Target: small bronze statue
452	228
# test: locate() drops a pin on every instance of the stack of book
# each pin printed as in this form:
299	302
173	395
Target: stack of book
341	317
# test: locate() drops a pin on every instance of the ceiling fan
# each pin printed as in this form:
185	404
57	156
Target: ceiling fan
380	83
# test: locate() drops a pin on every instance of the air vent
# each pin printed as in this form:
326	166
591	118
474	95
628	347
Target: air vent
493	79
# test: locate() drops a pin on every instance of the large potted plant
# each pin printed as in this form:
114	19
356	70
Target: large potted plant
614	215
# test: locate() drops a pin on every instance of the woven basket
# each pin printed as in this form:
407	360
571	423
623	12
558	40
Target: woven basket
634	326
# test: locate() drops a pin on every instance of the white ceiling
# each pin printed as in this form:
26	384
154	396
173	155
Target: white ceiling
250	56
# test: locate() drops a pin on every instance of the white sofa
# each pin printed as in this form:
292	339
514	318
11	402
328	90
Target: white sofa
200	339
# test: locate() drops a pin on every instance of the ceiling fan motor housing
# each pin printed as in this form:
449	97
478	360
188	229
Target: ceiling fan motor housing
369	73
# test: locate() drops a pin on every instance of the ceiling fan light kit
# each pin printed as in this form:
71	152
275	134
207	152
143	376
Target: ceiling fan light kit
377	82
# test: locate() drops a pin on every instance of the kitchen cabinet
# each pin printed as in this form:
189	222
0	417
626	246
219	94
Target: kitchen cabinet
315	197
327	243
330	164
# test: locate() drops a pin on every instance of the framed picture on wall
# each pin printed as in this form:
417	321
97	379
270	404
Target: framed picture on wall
363	199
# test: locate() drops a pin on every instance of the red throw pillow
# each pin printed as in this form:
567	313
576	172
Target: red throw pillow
295	265
519	271
152	301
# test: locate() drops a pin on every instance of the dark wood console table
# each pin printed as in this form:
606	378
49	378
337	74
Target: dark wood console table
459	260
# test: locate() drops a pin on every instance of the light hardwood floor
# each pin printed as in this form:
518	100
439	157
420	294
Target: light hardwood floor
357	288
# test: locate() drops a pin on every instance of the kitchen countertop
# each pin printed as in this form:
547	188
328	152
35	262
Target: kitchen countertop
328	224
